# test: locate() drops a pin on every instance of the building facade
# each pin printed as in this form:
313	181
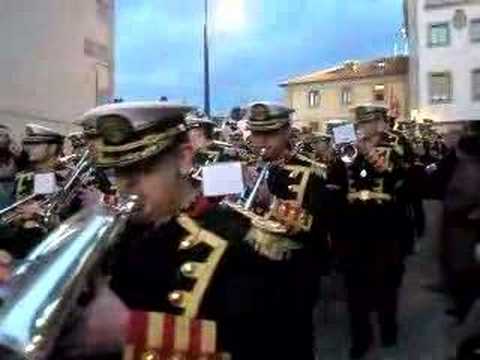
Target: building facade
332	93
57	60
444	43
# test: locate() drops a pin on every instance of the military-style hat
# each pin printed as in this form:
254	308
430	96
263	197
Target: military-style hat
4	129
129	132
406	125
321	137
37	134
366	113
197	118
266	116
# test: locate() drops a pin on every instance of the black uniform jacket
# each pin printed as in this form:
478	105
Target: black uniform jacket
377	227
246	293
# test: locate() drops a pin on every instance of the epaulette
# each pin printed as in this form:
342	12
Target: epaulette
201	273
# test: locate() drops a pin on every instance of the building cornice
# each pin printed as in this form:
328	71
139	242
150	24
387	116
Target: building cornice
344	81
440	4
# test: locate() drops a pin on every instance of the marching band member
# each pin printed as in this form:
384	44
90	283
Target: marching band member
200	129
194	287
12	160
373	244
300	183
322	148
42	146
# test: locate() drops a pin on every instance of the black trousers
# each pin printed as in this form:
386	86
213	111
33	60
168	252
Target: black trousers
368	292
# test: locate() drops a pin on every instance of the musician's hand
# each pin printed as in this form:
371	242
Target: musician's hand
100	331
107	322
90	196
30	211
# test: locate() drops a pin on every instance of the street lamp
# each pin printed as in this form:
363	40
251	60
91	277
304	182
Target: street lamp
206	63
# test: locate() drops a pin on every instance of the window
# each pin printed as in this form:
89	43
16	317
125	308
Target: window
439	35
476	85
379	92
475	30
346	96
313	98
440	88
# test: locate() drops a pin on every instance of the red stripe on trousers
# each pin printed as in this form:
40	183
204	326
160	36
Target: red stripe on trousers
195	346
169	332
137	332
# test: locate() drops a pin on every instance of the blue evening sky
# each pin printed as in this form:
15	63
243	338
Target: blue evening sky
255	44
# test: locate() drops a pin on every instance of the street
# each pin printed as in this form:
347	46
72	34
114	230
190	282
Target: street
426	333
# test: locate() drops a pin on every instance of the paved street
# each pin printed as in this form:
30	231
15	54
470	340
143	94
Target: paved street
425	332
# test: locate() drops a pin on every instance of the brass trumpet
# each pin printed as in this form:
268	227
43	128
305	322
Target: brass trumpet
347	152
9	214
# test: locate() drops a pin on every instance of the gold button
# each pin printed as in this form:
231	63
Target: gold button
186	244
150	355
175	298
291	187
188	269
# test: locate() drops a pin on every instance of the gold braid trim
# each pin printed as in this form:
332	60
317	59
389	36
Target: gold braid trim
190	301
149	140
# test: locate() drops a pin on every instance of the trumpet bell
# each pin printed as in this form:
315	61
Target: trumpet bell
348	153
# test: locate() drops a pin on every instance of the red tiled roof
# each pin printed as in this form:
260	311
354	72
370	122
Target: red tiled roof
397	65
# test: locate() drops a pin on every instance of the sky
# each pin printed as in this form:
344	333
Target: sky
254	45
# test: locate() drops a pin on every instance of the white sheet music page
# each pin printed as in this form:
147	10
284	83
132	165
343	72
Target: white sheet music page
45	183
344	134
222	179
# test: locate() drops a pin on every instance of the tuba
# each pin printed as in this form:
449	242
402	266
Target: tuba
44	288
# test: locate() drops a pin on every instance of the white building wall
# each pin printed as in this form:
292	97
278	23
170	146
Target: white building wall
45	75
459	58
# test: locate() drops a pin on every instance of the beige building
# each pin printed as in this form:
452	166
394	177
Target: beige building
56	60
332	93
444	42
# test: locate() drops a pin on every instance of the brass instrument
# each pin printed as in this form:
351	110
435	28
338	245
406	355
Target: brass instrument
267	220
54	203
347	152
44	289
6	214
212	155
